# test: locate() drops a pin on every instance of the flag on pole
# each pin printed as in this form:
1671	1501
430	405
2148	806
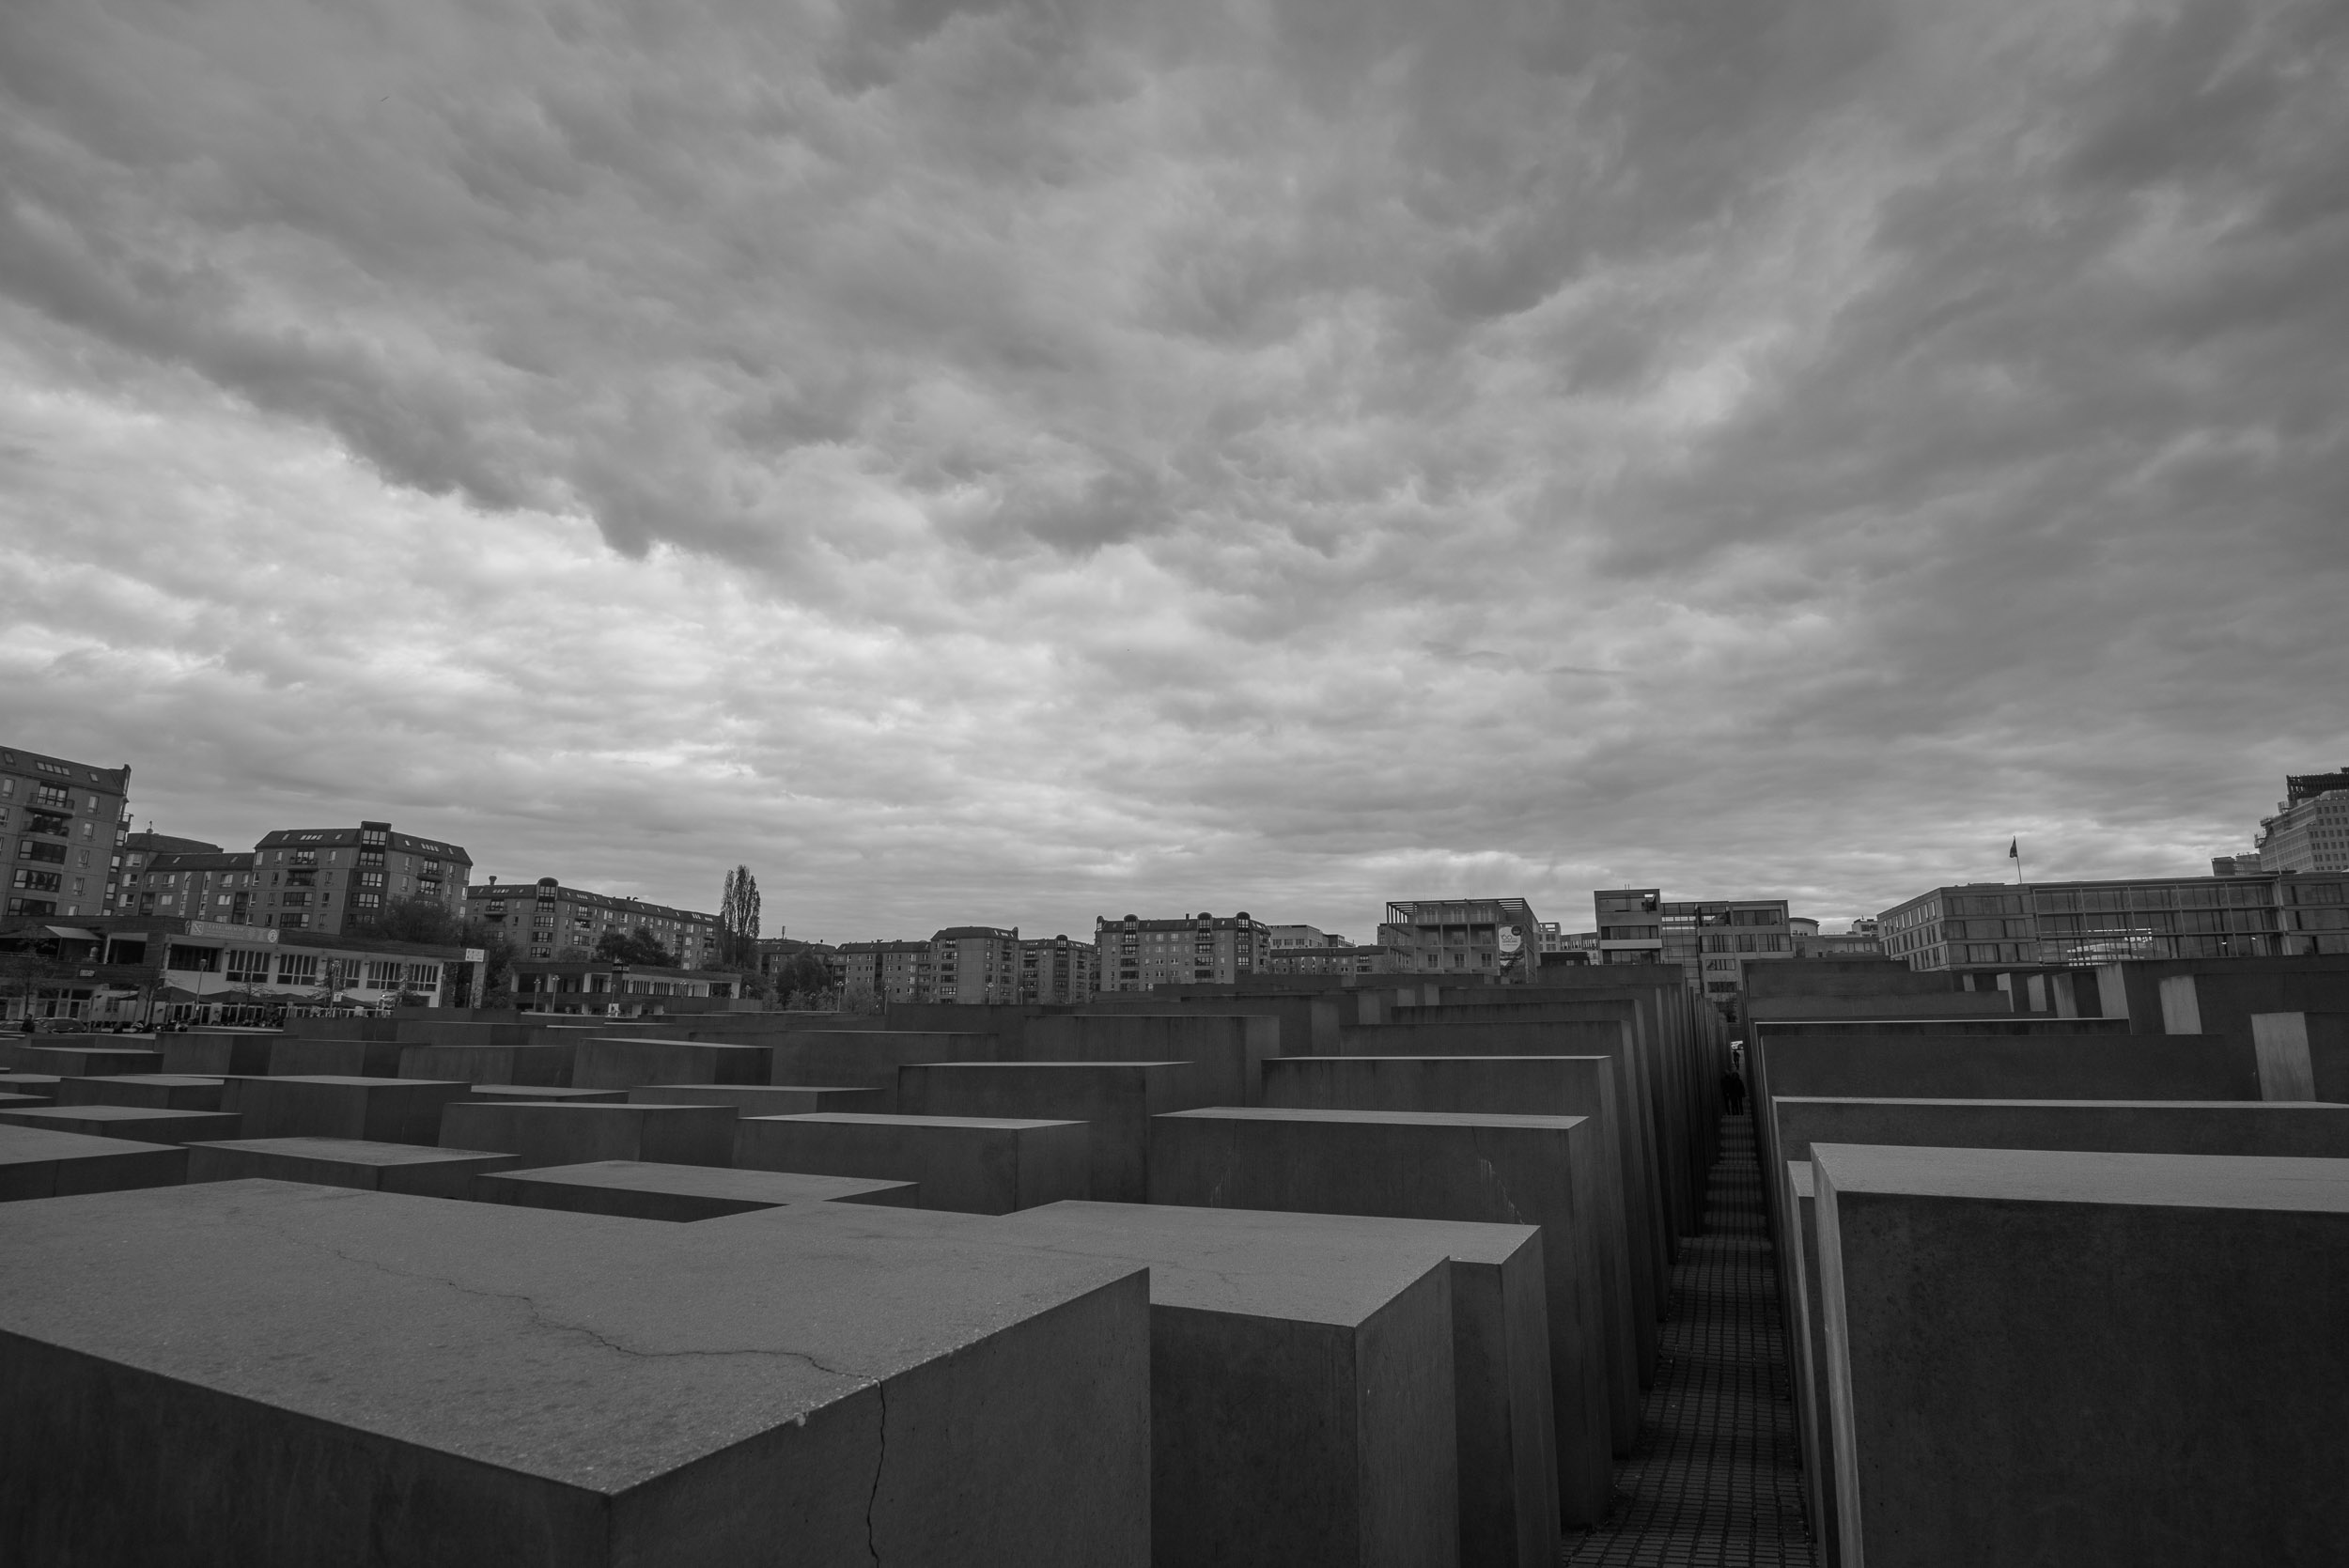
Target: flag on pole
2015	849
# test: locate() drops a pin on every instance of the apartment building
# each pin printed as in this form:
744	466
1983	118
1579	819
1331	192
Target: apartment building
1202	949
1283	938
1990	925
61	829
892	971
1055	969
1489	938
137	849
338	880
548	920
1343	958
1560	946
974	963
217	884
1711	940
2309	832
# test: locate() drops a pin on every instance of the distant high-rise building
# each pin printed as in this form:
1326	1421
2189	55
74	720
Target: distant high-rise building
1053	969
976	963
2310	831
61	829
1197	950
1711	940
547	920
1986	926
339	878
892	971
1489	938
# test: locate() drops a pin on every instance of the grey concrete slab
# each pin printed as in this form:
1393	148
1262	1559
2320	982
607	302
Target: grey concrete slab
1228	1050
464	1031
1308	1023
156	1091
545	1063
2151	1342
38	1162
376	1110
562	1133
1505	1168
970	1165
1948	1004
142	1123
402	1381
1990	1067
1265	1267
218	1053
294	1057
1116	1099
548	1094
411	1169
614	1063
641	1189
24	1102
1806	1357
767	1099
1523	1085
2303	1129
86	1061
343	1029
867	1058
35	1085
1495	1037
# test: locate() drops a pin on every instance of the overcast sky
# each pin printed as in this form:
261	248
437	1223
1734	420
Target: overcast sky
1014	463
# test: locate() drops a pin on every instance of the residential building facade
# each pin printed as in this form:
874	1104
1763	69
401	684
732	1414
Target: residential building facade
1283	938
61	829
546	920
1989	925
892	971
338	879
2309	832
1342	959
1202	949
195	885
1489	938
1558	945
137	850
974	963
1055	969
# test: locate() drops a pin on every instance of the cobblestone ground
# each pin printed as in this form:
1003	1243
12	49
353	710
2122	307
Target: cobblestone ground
1716	1478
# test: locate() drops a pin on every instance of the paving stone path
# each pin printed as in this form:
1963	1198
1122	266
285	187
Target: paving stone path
1716	1478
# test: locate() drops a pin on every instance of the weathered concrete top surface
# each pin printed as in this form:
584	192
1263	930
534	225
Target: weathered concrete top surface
22	1145
1283	1266
593	1351
1395	1118
122	1115
353	1150
703	1180
406	1085
2311	1130
877	1119
2063	1176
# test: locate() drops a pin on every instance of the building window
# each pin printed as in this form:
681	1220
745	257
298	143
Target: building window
297	969
248	966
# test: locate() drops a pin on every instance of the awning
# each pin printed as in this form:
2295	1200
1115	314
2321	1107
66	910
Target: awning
74	933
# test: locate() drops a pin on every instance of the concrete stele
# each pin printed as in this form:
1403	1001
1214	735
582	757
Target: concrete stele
2154	1335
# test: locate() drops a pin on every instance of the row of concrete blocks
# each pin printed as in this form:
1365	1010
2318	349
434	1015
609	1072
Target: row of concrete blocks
2044	1263
1264	1388
1559	1171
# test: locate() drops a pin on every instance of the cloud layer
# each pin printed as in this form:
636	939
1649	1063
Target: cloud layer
1016	463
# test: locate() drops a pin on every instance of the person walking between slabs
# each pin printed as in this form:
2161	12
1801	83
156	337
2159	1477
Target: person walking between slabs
1733	1093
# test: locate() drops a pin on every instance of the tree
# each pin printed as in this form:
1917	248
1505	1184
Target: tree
738	920
860	999
801	979
415	919
639	946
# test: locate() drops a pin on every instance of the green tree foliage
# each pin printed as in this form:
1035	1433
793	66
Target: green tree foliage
414	919
802	979
738	920
639	946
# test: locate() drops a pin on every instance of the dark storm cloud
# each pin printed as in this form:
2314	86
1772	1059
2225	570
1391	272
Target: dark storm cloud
1008	460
